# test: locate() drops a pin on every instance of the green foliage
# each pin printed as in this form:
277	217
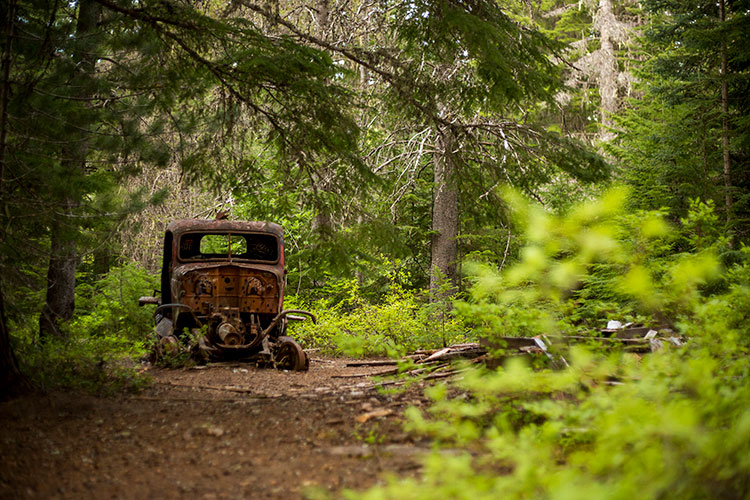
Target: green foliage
401	321
671	136
673	424
109	306
97	91
106	340
573	267
103	364
501	61
702	227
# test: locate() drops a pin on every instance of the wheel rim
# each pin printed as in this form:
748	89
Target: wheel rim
290	356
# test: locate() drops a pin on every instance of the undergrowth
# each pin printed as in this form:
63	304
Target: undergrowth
402	320
672	424
103	345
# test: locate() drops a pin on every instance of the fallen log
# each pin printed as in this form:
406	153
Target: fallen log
448	353
379	362
376	374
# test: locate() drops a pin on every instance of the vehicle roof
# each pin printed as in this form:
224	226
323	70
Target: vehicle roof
188	225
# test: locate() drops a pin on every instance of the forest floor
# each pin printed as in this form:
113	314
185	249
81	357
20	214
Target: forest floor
227	431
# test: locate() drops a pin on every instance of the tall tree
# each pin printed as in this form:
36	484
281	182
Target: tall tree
598	34
60	296
12	382
462	72
96	89
687	136
445	212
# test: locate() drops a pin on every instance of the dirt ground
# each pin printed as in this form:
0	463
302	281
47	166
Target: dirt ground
226	431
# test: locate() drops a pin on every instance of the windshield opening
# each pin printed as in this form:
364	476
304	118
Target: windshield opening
205	246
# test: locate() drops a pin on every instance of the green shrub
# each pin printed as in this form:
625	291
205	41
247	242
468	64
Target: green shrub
109	306
100	364
403	320
104	343
671	424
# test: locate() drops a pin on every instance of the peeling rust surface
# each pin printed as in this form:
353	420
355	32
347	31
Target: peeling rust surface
207	225
223	283
210	289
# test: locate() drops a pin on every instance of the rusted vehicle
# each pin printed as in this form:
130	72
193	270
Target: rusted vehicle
222	290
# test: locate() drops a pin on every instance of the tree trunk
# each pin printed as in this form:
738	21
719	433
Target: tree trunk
61	272
12	382
60	303
322	11
322	224
727	167
444	245
606	22
11	13
269	24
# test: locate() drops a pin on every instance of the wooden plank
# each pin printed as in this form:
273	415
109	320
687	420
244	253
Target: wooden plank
380	362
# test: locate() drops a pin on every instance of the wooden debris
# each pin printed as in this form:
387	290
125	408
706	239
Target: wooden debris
431	364
228	388
320	360
466	351
377	413
378	362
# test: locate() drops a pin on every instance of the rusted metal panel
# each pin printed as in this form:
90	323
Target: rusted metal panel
209	289
208	225
256	288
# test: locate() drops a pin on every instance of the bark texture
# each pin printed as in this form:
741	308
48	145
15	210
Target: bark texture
607	25
12	382
60	297
727	166
444	245
323	222
269	22
59	304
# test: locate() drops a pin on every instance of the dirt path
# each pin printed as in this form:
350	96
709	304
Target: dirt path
219	432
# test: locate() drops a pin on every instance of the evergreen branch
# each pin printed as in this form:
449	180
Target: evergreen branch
399	84
156	23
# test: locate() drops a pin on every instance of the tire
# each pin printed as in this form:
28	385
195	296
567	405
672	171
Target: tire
289	355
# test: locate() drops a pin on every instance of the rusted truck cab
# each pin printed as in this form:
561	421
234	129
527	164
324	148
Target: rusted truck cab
222	290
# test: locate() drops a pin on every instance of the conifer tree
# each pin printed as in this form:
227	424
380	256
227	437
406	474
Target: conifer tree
686	137
95	90
469	79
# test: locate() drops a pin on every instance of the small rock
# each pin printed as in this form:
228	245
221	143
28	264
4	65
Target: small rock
214	431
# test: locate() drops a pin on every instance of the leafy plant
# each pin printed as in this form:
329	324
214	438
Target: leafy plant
109	306
401	321
672	424
105	341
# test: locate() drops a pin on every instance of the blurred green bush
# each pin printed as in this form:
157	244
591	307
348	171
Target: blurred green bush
673	424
